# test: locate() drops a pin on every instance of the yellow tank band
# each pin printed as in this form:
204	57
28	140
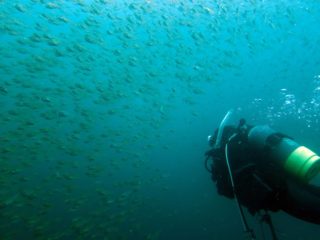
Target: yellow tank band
303	163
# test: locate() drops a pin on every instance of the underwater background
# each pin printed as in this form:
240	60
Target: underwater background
106	106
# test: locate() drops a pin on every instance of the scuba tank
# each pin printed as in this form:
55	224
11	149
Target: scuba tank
296	160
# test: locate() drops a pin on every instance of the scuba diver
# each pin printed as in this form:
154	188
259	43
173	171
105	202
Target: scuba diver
264	170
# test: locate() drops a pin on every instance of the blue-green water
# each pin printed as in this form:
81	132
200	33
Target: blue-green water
106	106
